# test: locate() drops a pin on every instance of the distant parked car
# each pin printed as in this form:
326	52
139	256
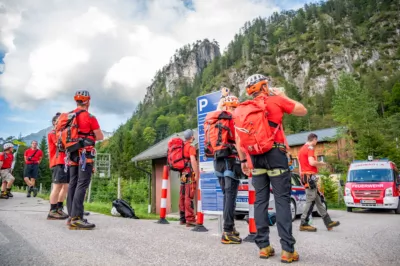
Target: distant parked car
297	202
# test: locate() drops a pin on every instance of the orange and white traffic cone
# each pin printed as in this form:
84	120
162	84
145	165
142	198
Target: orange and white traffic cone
200	216
164	191
252	222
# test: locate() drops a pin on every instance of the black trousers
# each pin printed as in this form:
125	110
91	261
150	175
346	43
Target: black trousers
78	184
281	186
229	188
228	171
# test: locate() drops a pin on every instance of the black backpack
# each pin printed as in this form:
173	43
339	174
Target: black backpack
124	209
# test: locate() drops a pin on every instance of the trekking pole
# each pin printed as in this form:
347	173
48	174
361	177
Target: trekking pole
164	190
252	222
200	215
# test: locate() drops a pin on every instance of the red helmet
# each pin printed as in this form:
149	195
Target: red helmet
83	96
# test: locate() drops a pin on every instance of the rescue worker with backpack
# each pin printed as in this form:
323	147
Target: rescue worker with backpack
182	158
219	140
33	157
308	170
77	132
60	178
7	179
262	148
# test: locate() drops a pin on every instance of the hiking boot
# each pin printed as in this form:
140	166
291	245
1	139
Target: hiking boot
235	233
80	224
69	221
182	222
329	223
190	224
332	224
307	227
54	215
289	257
62	213
9	194
267	252
230	238
3	195
28	194
34	192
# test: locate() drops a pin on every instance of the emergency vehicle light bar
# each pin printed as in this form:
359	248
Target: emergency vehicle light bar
375	160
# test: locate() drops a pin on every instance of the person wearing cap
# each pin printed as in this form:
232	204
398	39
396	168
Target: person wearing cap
7	179
188	179
81	162
60	178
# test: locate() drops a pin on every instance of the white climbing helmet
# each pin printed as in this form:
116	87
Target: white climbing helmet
255	82
7	146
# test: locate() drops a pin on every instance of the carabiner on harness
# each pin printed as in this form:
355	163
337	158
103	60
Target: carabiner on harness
66	161
82	160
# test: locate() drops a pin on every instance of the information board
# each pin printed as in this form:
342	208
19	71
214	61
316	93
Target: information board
211	193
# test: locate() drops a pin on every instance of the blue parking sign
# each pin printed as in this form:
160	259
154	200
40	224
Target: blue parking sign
211	193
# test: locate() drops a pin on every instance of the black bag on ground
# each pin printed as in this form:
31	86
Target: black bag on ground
124	209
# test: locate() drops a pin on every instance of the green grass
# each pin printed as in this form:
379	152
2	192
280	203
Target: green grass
336	206
105	208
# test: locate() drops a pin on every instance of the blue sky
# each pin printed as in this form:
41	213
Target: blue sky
16	118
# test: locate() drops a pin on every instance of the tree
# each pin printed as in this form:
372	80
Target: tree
354	108
149	135
44	170
352	105
392	100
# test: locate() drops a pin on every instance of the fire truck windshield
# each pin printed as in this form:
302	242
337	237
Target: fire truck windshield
371	175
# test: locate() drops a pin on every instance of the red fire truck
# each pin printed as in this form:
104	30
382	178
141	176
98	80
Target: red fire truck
372	184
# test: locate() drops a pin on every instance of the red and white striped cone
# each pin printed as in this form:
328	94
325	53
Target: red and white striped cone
200	216
164	191
252	222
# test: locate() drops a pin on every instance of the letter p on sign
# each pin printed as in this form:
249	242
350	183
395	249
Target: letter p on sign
202	103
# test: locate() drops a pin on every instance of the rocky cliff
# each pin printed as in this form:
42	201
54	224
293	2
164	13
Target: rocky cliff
185	65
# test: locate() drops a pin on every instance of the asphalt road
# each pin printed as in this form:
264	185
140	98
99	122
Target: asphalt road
27	238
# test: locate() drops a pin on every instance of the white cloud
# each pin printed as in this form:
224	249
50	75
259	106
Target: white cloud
20	119
112	48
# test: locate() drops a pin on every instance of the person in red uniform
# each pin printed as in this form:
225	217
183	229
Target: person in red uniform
7	179
272	168
188	180
81	162
308	170
60	178
228	171
33	157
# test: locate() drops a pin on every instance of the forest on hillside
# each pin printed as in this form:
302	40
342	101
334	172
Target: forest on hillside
365	100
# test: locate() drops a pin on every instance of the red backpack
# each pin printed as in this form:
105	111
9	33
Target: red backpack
67	132
252	126
218	137
175	158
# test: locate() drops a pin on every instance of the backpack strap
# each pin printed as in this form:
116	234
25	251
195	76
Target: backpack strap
81	133
187	163
277	127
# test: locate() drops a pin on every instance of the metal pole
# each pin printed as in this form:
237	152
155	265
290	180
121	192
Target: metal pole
40	189
90	191
119	187
109	165
149	189
220	224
